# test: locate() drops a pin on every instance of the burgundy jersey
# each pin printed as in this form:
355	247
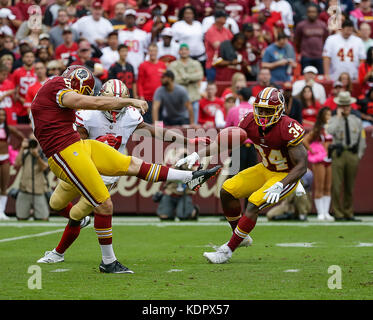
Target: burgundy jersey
273	146
53	123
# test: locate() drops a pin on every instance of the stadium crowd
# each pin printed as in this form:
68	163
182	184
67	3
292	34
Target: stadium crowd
190	59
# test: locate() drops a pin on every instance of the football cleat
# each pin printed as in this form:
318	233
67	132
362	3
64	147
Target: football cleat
199	177
51	257
3	216
85	222
328	217
114	267
222	255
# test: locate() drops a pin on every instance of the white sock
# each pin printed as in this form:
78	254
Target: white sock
3	202
108	255
179	175
326	205
319	207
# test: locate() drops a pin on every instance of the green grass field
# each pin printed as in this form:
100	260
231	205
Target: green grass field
286	261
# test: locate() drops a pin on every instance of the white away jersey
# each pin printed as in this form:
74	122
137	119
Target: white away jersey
137	41
98	125
345	55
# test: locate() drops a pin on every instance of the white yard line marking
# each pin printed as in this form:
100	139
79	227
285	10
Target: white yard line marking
42	234
175	270
60	270
364	244
292	270
297	244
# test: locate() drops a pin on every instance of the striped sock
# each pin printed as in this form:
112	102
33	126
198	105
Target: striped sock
104	233
156	172
153	172
244	227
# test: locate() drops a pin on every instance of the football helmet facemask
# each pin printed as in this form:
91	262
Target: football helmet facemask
114	88
269	106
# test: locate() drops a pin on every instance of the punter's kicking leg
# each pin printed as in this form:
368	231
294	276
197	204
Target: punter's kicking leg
242	224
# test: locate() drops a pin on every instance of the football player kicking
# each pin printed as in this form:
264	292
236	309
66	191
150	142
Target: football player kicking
80	162
278	139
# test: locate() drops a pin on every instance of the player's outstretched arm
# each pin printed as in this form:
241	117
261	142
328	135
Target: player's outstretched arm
298	156
75	100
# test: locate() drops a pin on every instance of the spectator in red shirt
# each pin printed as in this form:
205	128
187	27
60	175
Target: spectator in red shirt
238	82
17	17
208	106
23	78
67	48
310	106
7	90
149	79
366	72
337	88
41	75
214	36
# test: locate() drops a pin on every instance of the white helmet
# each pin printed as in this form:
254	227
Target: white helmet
114	88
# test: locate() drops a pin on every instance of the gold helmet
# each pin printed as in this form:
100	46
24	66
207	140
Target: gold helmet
269	106
114	88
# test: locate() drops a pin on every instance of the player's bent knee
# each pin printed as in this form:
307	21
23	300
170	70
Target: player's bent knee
56	203
106	208
224	194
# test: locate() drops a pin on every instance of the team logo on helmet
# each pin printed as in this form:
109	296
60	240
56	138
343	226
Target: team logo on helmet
82	80
82	74
114	88
269	106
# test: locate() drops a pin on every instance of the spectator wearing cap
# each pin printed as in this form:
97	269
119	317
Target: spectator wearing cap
135	39
310	35
14	17
95	28
189	30
189	74
68	48
168	48
149	79
238	9
51	12
110	53
209	105
5	17
279	57
348	148
213	38
118	19
230	23
174	102
57	32
310	73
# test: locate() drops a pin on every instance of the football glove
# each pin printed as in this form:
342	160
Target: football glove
189	160
272	194
109	139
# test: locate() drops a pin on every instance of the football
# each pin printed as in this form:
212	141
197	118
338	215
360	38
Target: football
231	137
